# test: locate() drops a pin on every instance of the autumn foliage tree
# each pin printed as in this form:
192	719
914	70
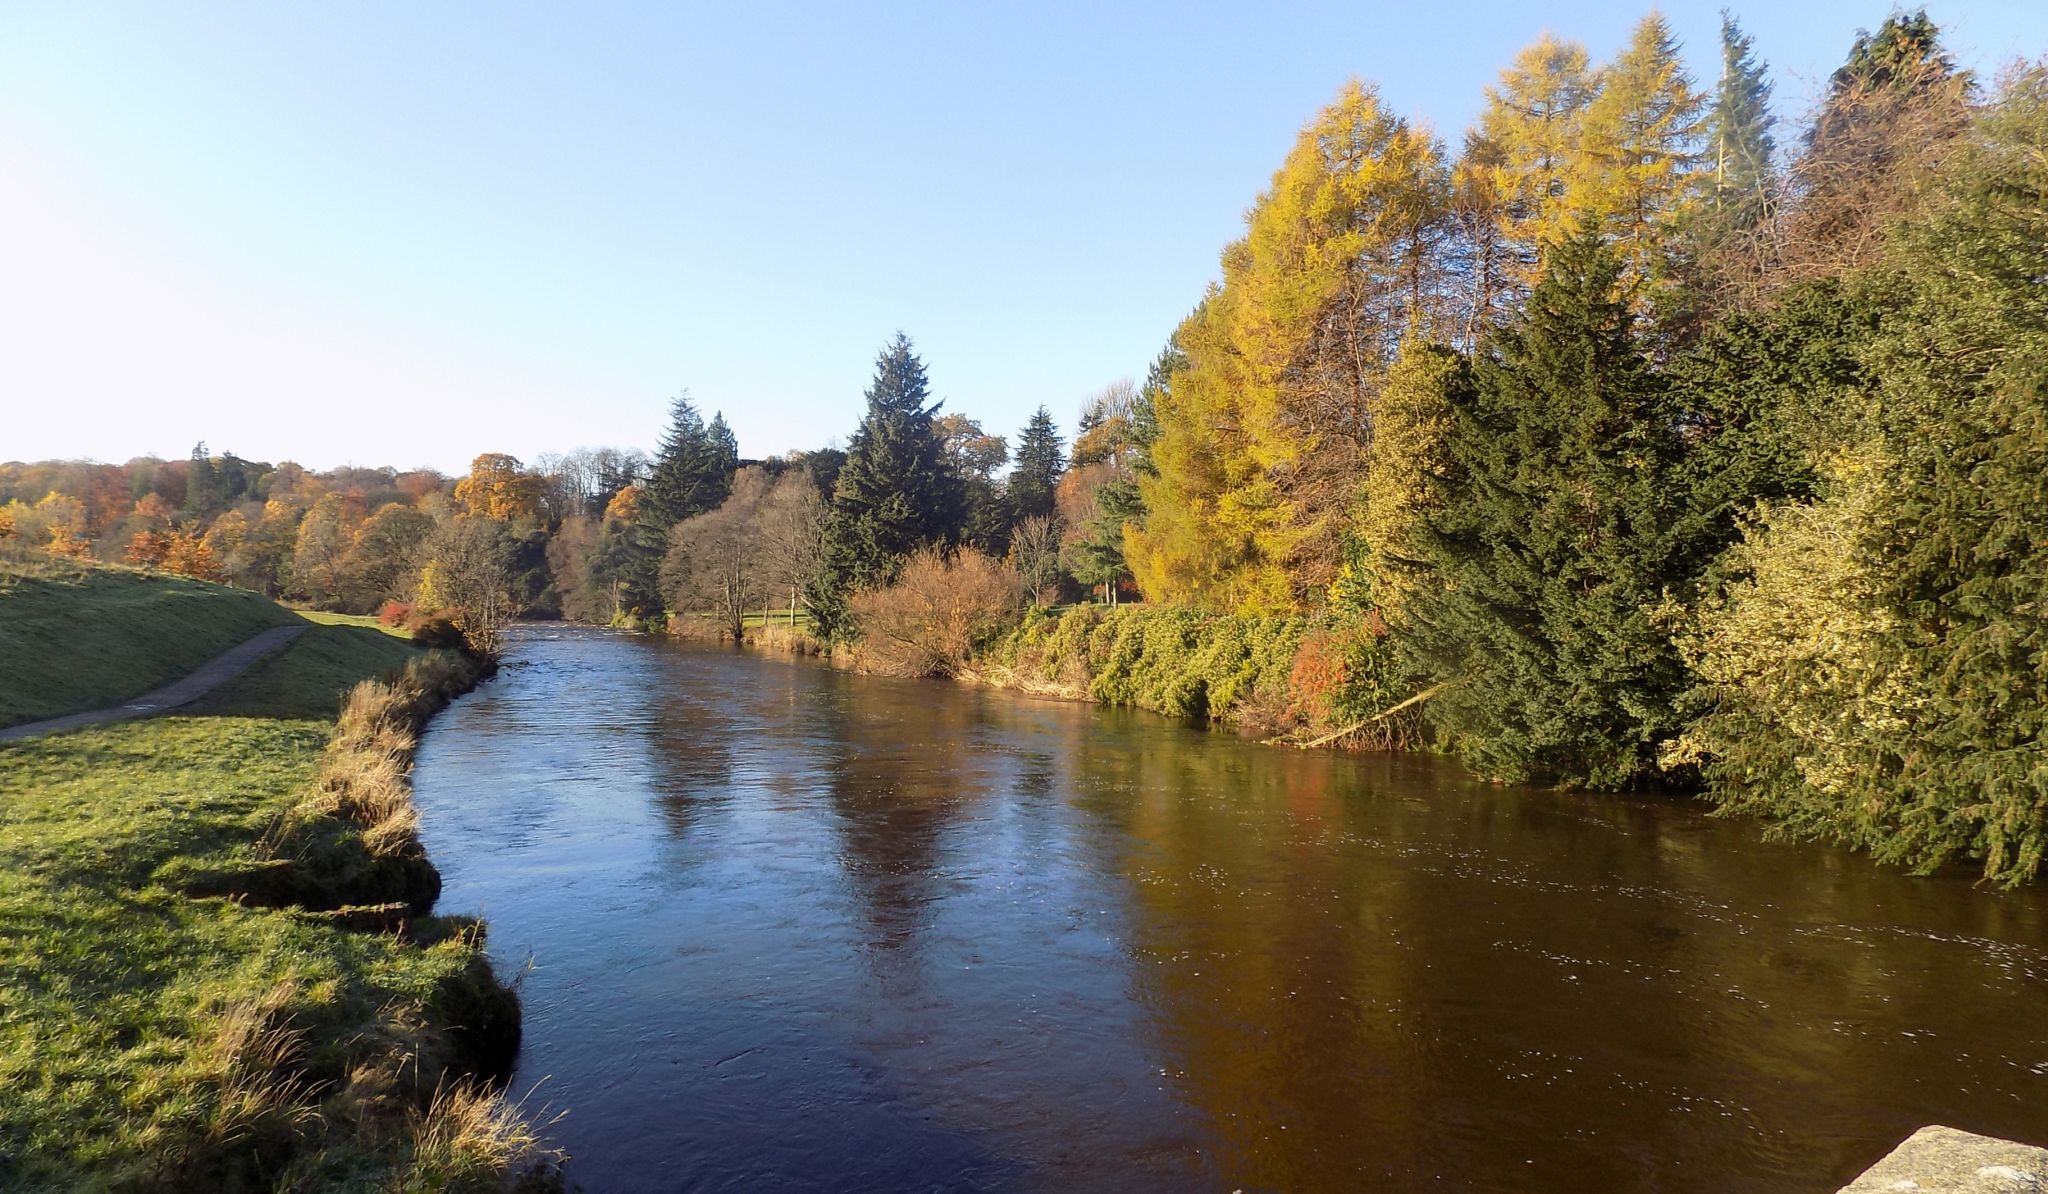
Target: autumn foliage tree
1261	433
499	487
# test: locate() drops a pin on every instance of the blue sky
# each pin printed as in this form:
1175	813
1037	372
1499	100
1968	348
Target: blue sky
406	234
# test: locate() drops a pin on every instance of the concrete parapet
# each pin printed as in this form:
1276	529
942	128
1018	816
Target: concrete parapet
1938	1160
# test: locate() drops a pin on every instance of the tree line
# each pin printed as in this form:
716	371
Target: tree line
1631	443
1659	455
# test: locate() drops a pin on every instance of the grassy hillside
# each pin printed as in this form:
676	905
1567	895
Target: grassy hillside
76	637
154	1035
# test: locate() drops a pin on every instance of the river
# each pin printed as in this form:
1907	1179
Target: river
782	927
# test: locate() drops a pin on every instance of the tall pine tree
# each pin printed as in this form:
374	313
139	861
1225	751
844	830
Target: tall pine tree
692	468
205	492
725	454
1741	179
896	492
1040	461
1729	242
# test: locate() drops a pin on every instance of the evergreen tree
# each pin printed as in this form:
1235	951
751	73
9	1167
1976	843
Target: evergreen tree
896	492
1872	662
1552	545
1964	546
692	469
1040	461
1094	551
1145	409
614	474
1729	236
725	456
205	493
1903	53
975	456
1741	178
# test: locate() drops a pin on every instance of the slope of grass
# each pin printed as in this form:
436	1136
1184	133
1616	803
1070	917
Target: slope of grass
76	637
309	677
152	1038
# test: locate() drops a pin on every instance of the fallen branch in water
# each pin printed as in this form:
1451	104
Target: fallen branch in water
1382	715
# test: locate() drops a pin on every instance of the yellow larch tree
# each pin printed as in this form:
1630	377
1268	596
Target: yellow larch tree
1263	431
1639	148
1524	153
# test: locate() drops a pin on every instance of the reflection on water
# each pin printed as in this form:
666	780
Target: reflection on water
790	928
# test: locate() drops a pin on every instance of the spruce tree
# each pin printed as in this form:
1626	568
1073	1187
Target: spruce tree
1741	180
692	469
203	488
1552	547
1040	461
725	457
896	492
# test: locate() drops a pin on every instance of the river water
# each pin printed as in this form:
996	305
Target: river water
788	928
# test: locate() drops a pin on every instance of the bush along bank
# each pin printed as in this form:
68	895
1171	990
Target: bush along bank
1302	680
232	983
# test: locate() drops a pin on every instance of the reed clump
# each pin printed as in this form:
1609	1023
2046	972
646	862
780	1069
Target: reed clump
470	1136
353	839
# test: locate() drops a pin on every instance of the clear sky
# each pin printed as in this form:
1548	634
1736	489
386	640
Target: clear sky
407	233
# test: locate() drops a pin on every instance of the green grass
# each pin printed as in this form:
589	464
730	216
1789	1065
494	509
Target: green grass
112	985
75	638
779	618
144	1031
308	677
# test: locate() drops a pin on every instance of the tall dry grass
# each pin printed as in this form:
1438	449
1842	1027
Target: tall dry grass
365	776
259	1103
471	1136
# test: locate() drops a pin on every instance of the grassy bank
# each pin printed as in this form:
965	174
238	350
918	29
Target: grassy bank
76	637
213	975
1293	678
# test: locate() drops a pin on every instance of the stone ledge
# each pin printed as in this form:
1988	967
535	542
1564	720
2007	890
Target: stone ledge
1938	1160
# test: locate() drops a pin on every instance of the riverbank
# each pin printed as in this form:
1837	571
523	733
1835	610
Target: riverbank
219	969
1290	680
